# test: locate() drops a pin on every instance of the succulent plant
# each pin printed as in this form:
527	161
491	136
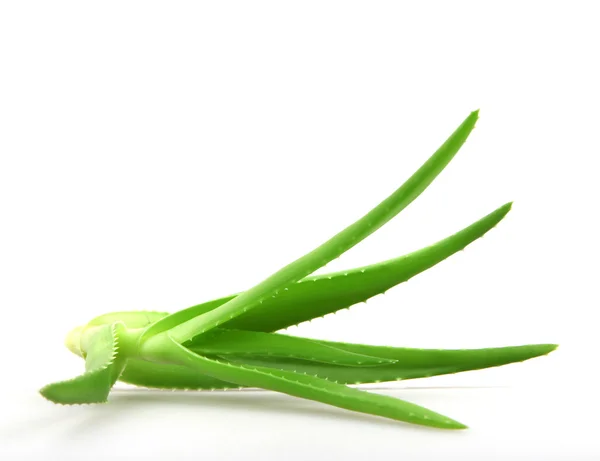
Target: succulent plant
233	342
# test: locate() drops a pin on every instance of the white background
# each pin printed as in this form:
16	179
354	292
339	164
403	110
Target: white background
154	155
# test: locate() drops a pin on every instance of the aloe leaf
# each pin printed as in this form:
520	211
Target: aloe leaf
102	368
411	364
255	344
335	246
163	348
316	296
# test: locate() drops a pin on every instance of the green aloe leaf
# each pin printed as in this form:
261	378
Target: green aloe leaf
102	368
163	348
335	246
410	364
319	295
256	344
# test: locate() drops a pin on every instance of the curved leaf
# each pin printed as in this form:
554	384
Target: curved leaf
163	348
102	368
335	246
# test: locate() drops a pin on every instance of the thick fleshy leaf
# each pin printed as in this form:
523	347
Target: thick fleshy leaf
256	344
163	348
411	364
316	296
102	369
335	246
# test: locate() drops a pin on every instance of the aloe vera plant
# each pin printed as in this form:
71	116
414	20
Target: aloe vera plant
233	342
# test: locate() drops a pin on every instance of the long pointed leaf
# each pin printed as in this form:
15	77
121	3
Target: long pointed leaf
411	364
164	348
335	246
256	344
316	296
319	295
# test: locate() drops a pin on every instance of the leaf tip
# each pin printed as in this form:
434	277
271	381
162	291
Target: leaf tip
547	348
459	426
506	207
44	393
